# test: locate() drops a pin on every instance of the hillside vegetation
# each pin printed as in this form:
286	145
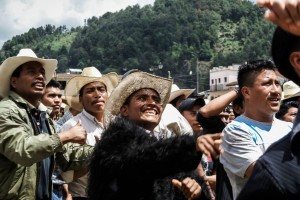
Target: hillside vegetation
175	33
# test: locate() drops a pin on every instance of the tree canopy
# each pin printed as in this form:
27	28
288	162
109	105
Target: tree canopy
175	34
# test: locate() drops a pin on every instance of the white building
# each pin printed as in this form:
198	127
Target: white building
219	78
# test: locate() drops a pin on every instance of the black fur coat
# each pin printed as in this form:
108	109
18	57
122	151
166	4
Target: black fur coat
129	163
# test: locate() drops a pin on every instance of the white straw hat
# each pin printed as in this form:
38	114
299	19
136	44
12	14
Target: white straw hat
12	63
176	92
88	75
290	89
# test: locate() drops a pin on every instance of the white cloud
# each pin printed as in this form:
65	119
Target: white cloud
18	16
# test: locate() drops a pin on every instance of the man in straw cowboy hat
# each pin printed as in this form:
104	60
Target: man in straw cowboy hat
178	95
131	161
89	93
276	173
27	137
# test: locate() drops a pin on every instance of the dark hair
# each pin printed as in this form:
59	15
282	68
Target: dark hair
53	83
212	124
81	89
239	101
17	71
285	107
248	71
283	44
174	101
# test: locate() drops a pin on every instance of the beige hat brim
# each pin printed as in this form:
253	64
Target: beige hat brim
12	63
74	85
291	96
132	83
177	93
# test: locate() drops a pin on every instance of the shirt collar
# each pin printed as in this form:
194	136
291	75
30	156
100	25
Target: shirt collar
20	99
91	117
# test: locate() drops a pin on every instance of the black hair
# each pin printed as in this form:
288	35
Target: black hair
248	71
283	44
285	107
17	71
53	83
81	89
239	101
174	101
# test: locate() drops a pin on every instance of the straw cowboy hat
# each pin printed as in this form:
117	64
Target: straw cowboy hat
290	89
88	75
176	92
12	63
132	83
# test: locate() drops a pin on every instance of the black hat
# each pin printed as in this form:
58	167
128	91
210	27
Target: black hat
188	104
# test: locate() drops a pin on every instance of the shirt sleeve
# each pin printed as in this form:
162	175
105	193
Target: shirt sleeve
19	143
240	151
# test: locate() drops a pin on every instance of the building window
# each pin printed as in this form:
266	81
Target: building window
212	81
219	80
225	79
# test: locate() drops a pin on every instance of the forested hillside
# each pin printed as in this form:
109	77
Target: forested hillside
175	34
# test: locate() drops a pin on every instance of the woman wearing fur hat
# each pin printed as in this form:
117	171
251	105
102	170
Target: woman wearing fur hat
131	161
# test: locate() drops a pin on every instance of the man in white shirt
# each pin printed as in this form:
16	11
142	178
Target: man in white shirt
248	136
91	89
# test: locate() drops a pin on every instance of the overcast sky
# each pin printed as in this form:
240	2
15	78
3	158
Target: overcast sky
18	16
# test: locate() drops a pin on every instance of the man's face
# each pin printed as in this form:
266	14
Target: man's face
290	115
265	95
144	108
94	97
52	98
191	117
31	83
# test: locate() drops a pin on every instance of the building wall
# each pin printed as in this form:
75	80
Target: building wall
219	78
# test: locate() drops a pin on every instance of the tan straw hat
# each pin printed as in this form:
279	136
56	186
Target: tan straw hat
176	92
290	89
132	83
88	75
12	63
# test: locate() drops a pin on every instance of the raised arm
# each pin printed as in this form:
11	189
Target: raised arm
215	106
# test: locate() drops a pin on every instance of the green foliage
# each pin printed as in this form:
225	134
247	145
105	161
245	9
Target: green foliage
175	33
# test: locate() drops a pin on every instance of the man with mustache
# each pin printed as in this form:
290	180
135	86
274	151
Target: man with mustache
28	141
248	136
276	173
90	90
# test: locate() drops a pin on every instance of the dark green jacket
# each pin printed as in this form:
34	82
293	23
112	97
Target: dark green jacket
21	149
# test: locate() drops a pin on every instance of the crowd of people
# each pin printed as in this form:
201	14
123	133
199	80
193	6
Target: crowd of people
139	136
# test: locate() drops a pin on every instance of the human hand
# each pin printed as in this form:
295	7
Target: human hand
210	144
77	134
209	182
189	187
212	180
283	13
